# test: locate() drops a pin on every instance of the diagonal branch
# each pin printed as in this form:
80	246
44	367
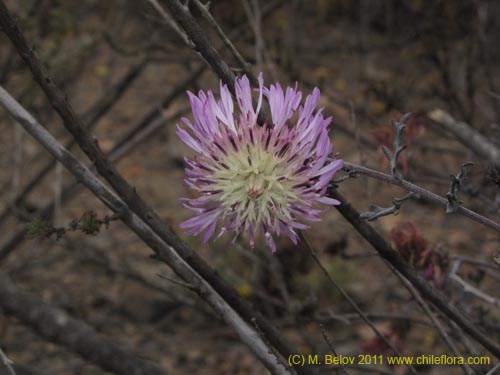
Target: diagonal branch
423	193
129	195
57	326
200	40
230	46
390	255
468	136
6	364
163	251
91	117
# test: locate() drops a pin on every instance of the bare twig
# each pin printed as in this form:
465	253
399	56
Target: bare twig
456	186
423	193
170	22
351	301
398	145
470	288
420	301
200	40
151	123
494	369
330	345
57	326
90	118
377	211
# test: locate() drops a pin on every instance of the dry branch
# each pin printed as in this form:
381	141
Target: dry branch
57	326
163	251
199	38
389	254
91	117
129	195
471	138
428	195
5	364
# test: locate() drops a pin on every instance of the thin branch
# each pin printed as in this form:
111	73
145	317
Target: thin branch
398	145
330	345
494	369
420	301
90	118
377	211
432	197
144	129
456	186
470	288
170	22
363	316
57	326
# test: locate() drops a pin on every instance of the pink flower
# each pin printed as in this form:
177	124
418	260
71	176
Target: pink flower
253	178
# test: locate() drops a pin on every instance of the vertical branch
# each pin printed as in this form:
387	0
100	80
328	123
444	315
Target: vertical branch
17	161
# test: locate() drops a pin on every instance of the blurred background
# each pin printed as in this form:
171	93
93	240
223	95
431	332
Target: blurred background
126	71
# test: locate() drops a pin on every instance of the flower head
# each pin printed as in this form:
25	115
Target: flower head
254	178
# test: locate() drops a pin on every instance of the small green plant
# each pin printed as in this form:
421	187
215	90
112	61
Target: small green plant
89	223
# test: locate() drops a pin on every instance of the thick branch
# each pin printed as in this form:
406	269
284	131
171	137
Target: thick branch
57	326
199	38
389	254
468	136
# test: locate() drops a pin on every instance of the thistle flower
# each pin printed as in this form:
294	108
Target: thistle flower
254	178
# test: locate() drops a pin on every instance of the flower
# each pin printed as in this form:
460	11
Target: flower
254	178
